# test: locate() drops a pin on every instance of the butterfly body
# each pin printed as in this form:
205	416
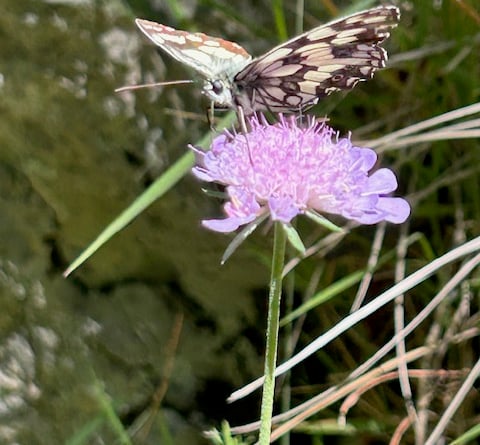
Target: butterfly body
291	76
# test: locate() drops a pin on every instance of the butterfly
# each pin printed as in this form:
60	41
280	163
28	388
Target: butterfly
290	77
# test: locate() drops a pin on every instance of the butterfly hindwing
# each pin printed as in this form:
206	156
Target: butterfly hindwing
331	57
291	76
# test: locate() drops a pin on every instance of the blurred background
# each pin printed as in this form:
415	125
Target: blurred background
144	342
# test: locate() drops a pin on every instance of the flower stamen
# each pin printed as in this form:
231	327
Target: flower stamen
287	169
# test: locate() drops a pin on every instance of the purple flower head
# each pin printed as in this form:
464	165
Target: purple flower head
286	169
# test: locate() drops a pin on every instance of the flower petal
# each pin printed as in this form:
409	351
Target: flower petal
397	210
288	168
282	209
226	225
381	182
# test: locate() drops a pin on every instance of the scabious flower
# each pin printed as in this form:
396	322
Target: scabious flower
287	169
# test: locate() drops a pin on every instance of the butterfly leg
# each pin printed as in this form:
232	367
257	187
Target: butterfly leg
241	119
211	117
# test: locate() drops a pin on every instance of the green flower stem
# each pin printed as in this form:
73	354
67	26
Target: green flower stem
278	258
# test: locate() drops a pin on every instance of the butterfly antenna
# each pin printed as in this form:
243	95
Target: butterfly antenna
152	85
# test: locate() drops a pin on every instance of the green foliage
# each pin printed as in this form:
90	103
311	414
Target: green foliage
74	157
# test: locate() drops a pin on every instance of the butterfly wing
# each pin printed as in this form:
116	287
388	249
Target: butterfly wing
210	56
331	57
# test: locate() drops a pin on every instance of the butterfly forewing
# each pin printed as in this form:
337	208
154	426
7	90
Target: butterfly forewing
331	57
291	76
217	60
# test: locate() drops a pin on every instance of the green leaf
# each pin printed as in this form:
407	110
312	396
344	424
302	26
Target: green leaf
294	238
280	22
84	436
164	183
469	436
321	220
242	236
324	295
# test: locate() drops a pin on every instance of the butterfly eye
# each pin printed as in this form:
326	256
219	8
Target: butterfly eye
217	86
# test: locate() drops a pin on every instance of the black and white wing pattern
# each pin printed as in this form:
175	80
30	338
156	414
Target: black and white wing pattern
331	57
216	60
291	76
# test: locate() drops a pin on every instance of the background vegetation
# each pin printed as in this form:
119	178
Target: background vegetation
147	339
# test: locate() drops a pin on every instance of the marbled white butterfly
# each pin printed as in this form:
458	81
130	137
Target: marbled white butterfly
291	76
